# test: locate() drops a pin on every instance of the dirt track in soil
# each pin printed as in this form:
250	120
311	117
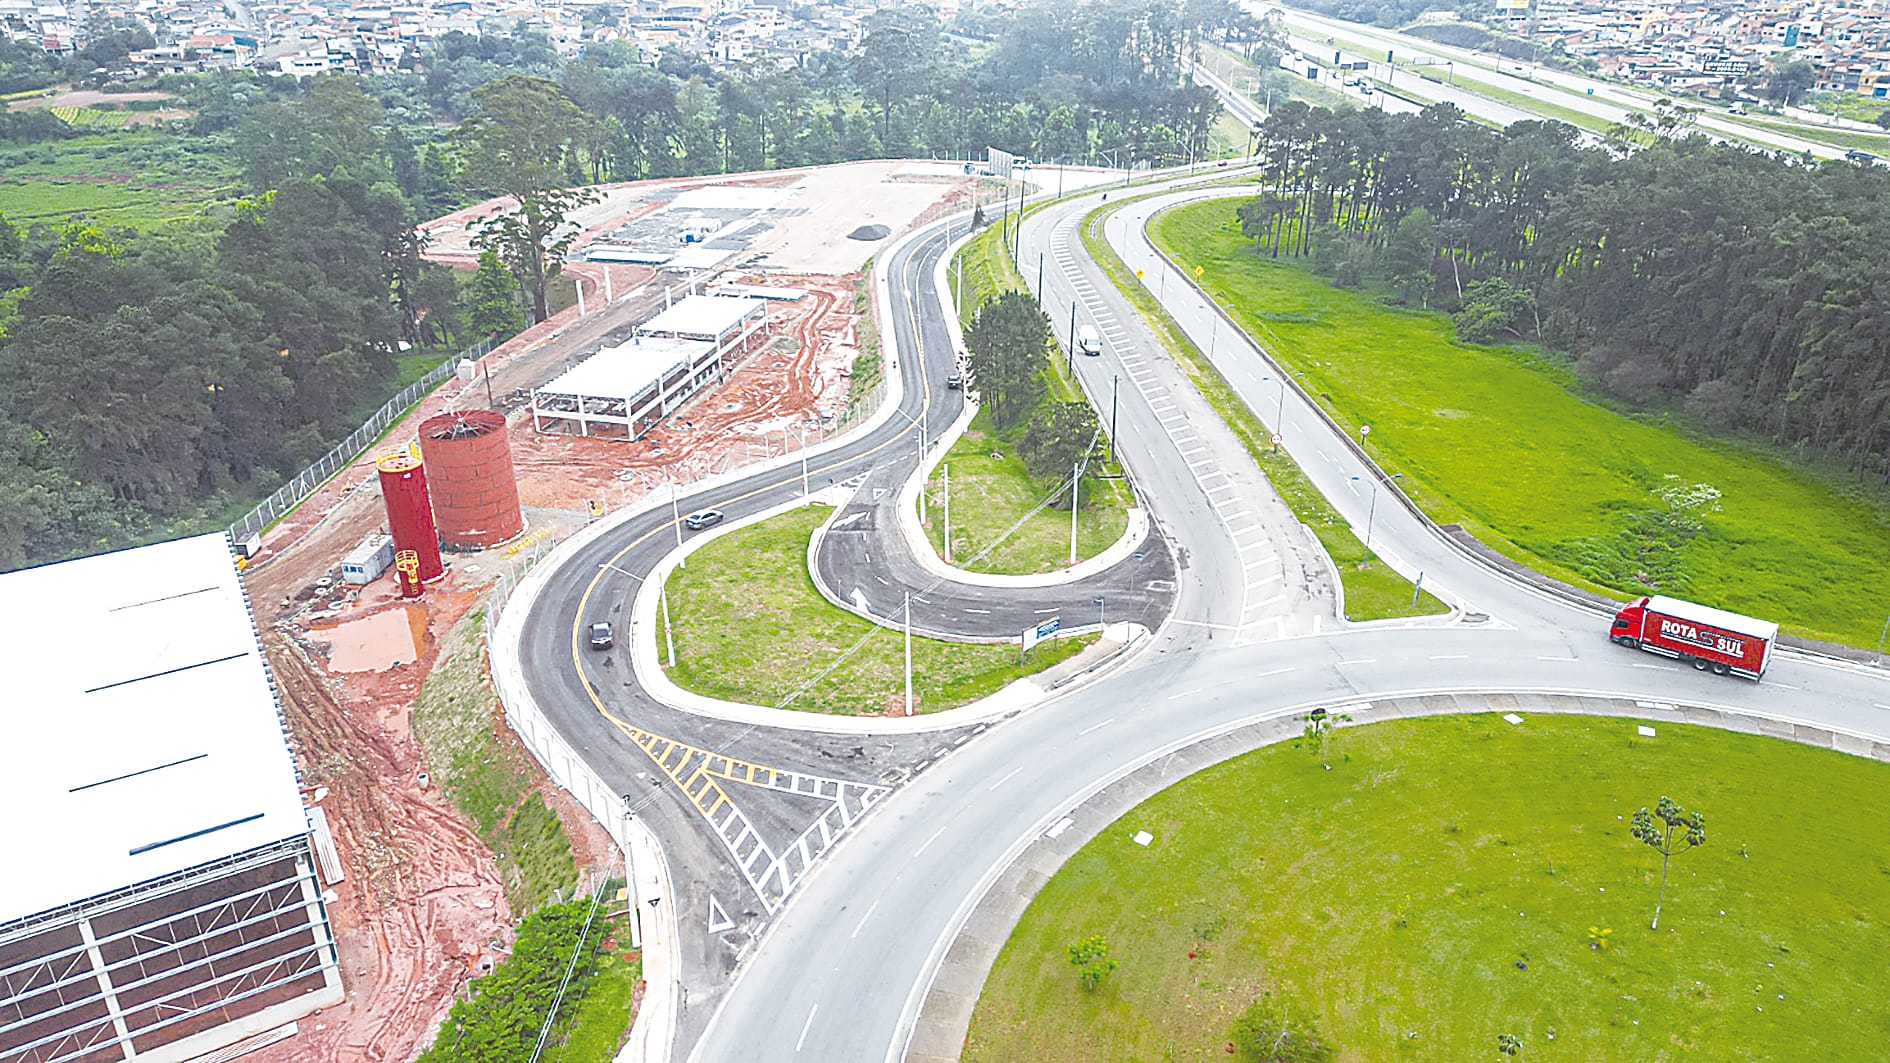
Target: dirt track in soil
422	902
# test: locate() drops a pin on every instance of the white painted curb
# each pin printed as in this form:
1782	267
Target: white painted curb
913	532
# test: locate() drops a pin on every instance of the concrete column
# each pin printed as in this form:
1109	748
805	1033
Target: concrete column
105	987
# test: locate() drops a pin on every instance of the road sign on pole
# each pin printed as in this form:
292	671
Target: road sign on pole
1034	635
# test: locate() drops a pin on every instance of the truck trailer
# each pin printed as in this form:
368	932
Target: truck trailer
1705	637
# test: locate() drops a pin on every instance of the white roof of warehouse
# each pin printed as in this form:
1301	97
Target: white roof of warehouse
624	371
703	316
139	736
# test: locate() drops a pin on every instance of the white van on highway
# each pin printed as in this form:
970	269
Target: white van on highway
1088	340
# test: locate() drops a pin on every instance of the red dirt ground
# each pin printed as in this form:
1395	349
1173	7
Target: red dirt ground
421	901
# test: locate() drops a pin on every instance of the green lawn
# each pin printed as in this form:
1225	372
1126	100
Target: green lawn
1878	143
1437	888
595	1030
134	178
1494	438
991	488
749	626
1373	591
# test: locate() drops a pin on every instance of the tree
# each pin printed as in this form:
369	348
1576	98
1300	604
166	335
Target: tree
1059	435
1007	341
491	299
1790	79
898	60
1317	735
1491	306
1266	1032
516	146
1662	830
1092	961
1261	217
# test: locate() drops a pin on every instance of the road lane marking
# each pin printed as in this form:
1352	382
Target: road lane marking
985	611
1004	780
1880	705
1275	600
1555	658
1112	719
1184	694
806	1027
1450	657
1360	660
863	919
928	842
1660	666
1276	671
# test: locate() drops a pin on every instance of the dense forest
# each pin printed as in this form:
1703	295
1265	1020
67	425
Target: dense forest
155	381
1735	287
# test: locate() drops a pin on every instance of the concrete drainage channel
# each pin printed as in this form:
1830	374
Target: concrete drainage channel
952	987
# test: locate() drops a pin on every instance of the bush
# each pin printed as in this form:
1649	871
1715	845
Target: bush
1092	961
1268	1032
500	1023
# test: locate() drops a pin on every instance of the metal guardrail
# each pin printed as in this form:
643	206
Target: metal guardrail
343	454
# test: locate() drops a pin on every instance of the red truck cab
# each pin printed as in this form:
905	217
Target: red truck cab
1707	638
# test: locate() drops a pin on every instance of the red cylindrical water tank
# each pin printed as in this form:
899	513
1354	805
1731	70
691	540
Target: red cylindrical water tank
469	468
409	514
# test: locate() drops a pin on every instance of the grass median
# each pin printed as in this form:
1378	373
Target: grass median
1498	440
750	626
999	524
1373	590
1453	879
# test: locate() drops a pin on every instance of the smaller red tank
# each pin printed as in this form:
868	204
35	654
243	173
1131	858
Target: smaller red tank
410	512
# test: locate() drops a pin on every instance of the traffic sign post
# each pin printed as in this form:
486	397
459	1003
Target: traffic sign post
1034	635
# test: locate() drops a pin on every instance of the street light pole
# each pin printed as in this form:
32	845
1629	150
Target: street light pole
1069	347
675	514
807	495
1371	513
1114	381
1076	482
948	514
669	639
908	653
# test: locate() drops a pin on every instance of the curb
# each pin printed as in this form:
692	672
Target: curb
936	1017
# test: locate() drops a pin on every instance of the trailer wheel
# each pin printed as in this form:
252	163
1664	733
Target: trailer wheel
1720	668
1699	663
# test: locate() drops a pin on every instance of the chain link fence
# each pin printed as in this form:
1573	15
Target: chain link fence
343	454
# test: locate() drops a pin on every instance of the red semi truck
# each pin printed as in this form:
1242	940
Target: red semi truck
1708	638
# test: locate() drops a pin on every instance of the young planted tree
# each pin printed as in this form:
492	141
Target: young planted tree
1669	828
1092	961
1318	733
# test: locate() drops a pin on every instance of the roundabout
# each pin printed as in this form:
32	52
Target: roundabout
831	888
1455	878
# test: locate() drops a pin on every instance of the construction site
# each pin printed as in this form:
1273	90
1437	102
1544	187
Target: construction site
716	327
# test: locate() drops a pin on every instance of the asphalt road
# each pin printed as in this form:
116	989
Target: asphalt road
843	969
736	848
1604	100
